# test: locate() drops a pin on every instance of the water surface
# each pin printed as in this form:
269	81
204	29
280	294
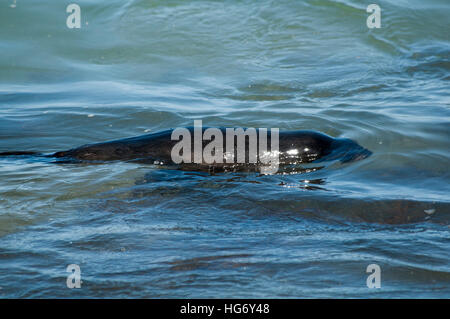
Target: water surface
137	67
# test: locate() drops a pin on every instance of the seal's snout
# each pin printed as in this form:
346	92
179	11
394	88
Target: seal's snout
364	154
359	155
351	151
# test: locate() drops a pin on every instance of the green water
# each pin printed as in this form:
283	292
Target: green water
136	67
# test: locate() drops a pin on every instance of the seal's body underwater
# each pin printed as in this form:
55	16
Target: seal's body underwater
294	147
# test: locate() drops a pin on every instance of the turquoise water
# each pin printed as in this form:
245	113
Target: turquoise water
136	67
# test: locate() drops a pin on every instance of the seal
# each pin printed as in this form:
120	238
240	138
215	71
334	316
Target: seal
294	148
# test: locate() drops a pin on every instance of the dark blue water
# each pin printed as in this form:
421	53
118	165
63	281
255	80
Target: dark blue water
137	67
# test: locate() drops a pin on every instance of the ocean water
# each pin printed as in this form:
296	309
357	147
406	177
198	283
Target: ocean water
136	67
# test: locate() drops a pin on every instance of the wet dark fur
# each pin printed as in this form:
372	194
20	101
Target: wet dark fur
156	148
